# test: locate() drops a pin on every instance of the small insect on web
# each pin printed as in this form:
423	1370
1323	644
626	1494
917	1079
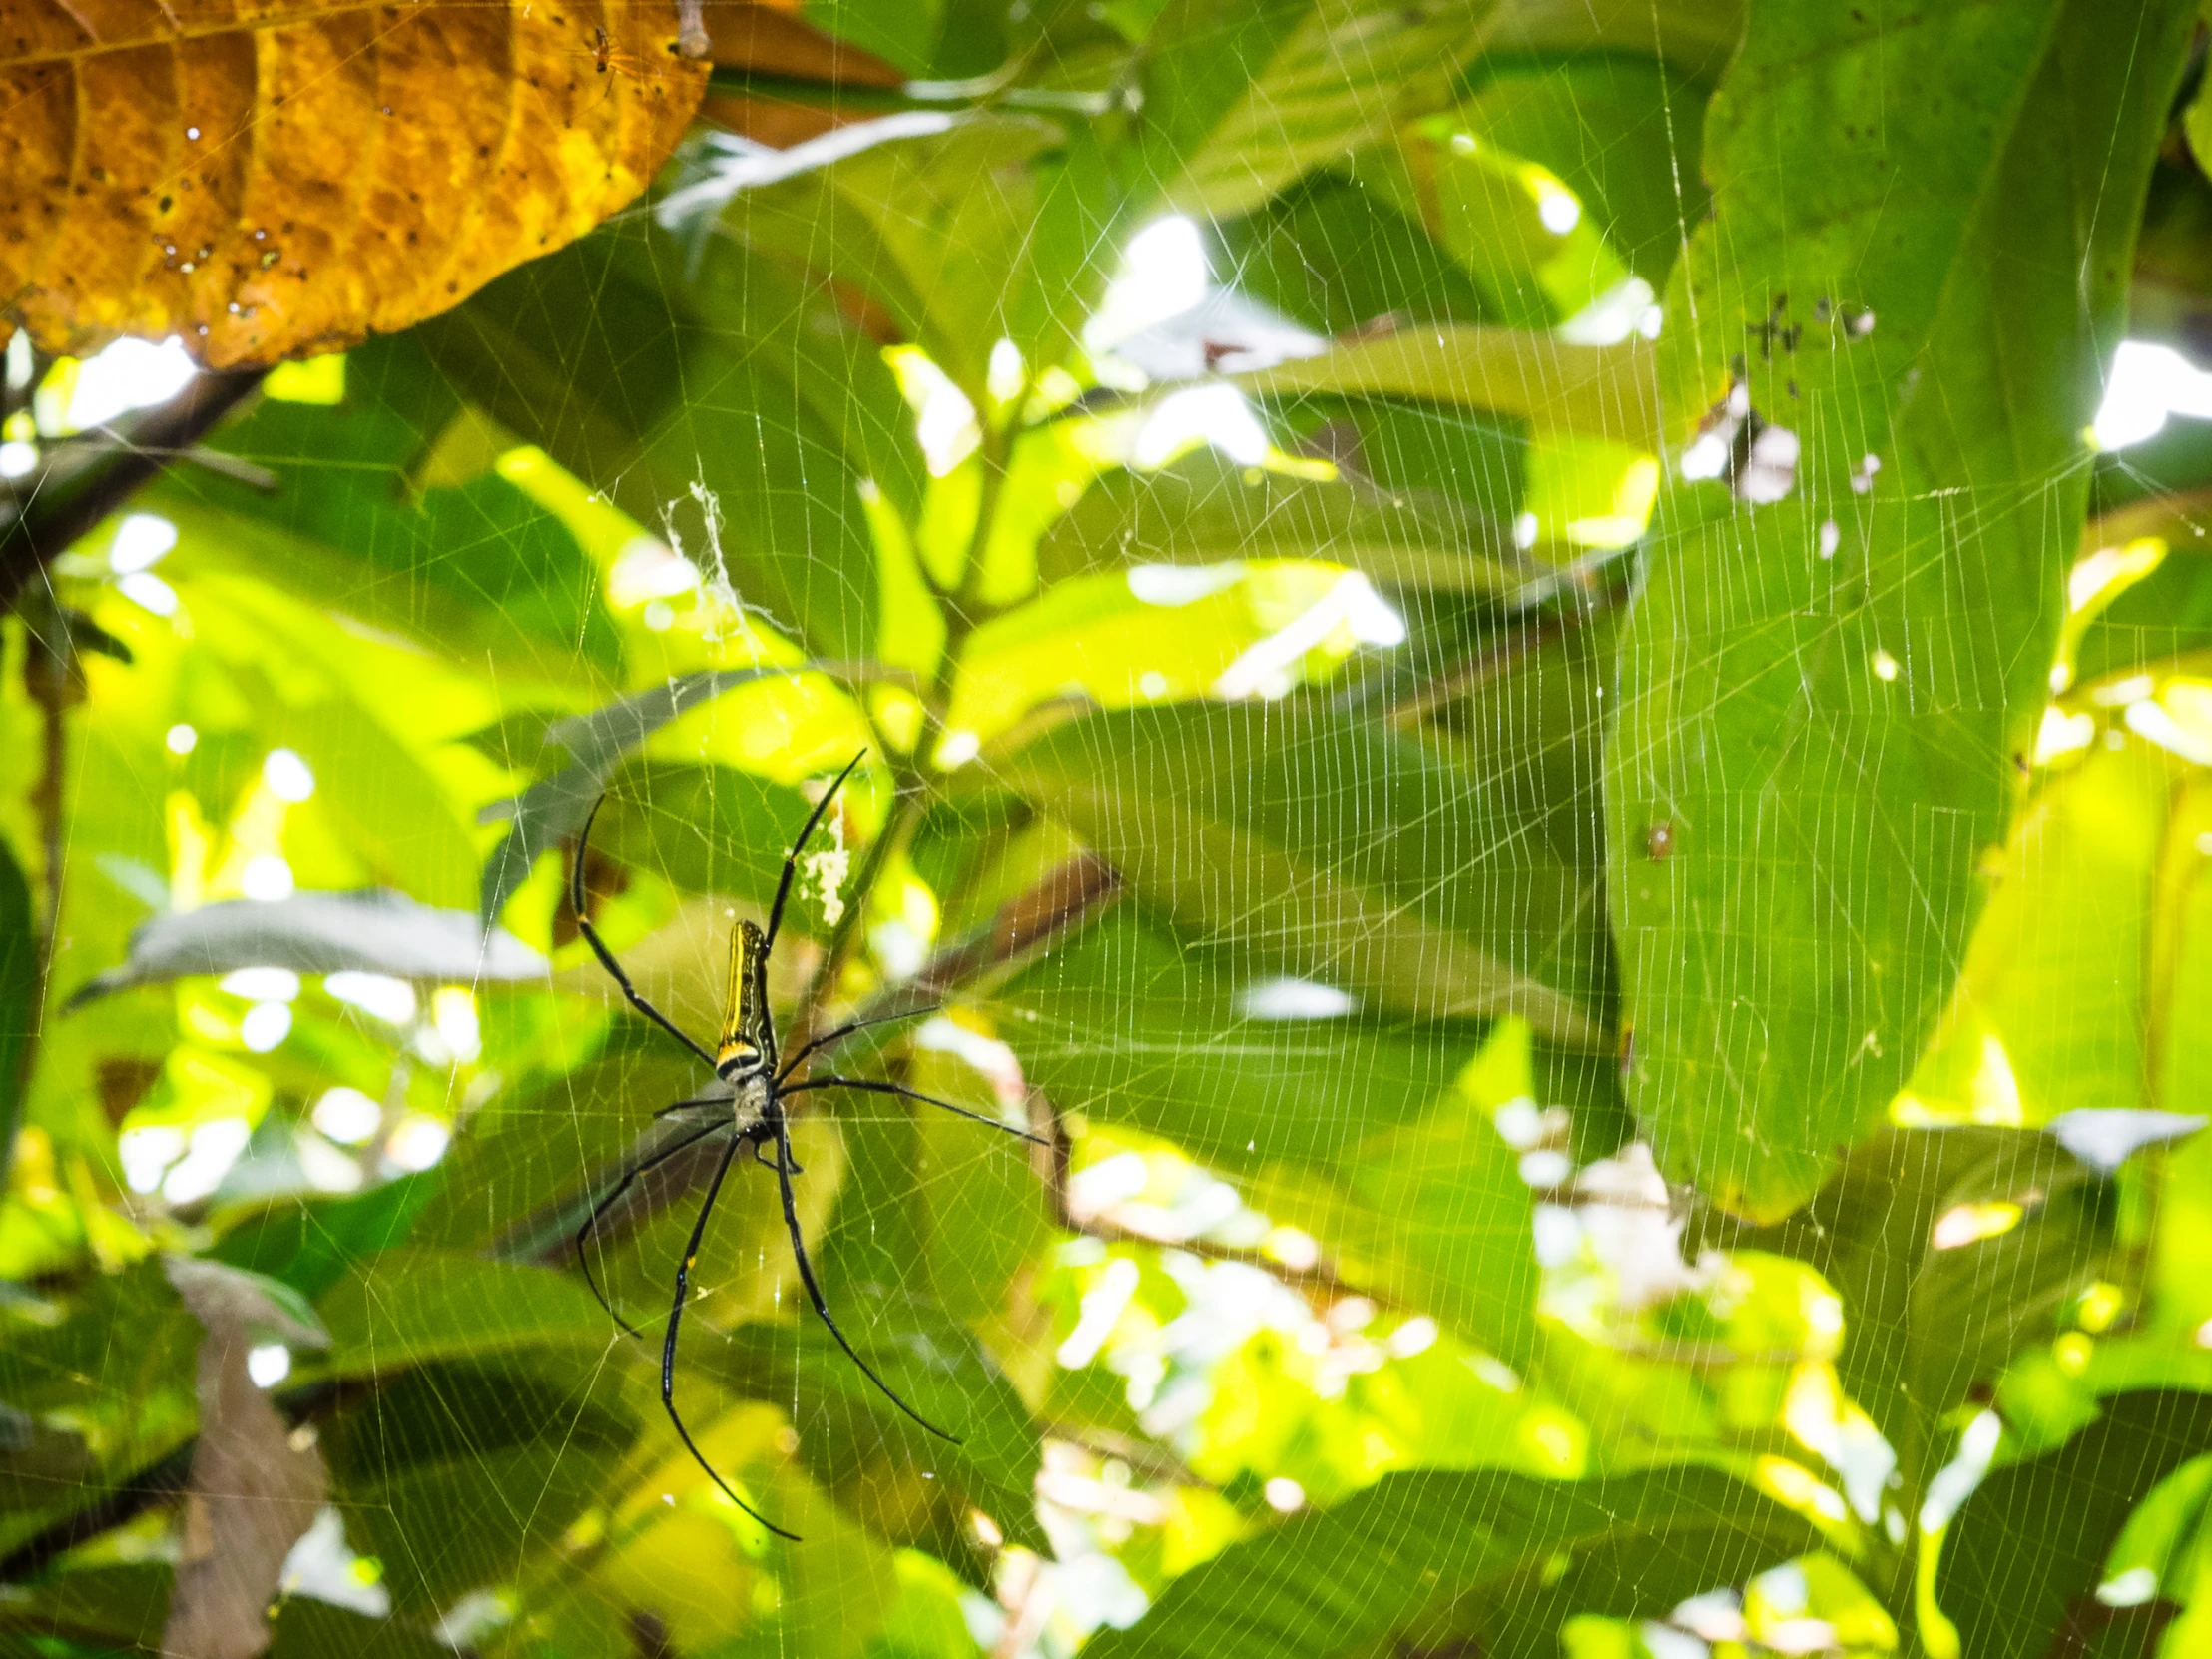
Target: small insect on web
751	1115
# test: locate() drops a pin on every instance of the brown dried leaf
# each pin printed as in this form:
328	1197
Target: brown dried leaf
254	1491
274	177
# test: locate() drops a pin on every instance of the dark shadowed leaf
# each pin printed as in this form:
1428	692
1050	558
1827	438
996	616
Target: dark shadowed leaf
407	1305
2025	1555
1433	1559
553	809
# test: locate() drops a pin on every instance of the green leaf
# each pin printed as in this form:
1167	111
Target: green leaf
443	1530
938	1367
1134	1023
1241	100
875	1265
1116	641
1332	255
1430	1557
1434	1215
311	1629
1204	509
646	374
1602	391
553	809
406	1306
2058	976
1953	1250
460	566
706	829
967	229
1504	217
310	1245
1317	845
1696	37
1815	755
1623	133
2024	1556
2165	615
1376	1139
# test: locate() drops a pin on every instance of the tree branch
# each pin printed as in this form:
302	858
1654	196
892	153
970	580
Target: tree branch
77	491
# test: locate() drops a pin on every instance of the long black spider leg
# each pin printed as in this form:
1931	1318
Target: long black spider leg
905	1093
672	1109
606	957
604	1205
674	1322
844	1031
783	1166
791	858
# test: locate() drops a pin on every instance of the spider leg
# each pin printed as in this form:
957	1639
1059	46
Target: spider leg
791	858
765	1164
873	1087
606	957
783	1166
674	1322
604	1205
844	1031
686	1105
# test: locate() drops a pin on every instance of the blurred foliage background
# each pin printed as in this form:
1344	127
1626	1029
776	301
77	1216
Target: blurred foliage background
1534	677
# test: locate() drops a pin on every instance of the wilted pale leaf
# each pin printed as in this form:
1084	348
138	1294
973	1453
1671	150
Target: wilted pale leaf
318	932
253	1494
269	183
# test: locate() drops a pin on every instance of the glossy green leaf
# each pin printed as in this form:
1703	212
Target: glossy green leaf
443	1530
1697	37
1511	222
1602	391
1430	1557
311	1629
1118	639
1319	846
411	1305
1204	509
708	830
1133	1024
1375	1137
1242	100
937	1364
1792	924
309	1246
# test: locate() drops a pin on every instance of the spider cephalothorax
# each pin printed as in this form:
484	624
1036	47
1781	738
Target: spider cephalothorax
751	1115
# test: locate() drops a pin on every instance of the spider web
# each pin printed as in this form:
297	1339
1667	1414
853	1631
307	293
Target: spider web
1259	870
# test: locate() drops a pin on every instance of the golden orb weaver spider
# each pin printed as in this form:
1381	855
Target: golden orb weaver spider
746	1059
